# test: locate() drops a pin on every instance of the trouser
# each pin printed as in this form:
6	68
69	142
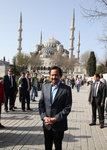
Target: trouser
28	99
78	87
33	93
73	86
95	106
10	96
19	94
22	99
55	137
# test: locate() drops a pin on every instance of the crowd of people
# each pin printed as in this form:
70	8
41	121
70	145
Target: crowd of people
26	87
56	93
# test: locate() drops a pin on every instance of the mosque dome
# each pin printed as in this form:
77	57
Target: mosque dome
51	42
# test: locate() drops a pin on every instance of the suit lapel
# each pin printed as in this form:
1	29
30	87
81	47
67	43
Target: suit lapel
49	93
99	86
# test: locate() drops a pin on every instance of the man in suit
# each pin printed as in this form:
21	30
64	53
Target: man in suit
54	107
10	89
23	90
28	87
97	99
34	89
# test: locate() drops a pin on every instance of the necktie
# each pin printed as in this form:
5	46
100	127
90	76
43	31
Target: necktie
10	81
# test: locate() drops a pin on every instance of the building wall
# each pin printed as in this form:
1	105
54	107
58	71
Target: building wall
4	66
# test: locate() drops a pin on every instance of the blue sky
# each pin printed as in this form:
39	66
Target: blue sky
53	17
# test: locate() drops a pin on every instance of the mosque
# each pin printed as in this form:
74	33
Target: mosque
52	46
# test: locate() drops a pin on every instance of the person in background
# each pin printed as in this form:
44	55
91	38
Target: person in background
54	107
23	90
1	101
97	99
15	94
45	80
104	81
34	89
42	81
19	82
77	84
10	89
28	81
72	82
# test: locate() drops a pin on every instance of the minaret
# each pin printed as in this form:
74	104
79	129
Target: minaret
41	38
78	47
72	36
20	34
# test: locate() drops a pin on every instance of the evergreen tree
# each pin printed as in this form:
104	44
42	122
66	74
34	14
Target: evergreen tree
100	69
91	64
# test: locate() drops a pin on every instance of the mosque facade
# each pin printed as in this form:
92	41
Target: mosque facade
47	49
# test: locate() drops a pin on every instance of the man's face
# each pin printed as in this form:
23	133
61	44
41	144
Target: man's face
35	75
55	76
10	72
27	74
23	75
101	76
96	78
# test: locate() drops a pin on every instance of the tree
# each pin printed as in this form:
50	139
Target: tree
100	69
100	11
58	59
91	64
20	63
15	67
63	62
84	57
35	61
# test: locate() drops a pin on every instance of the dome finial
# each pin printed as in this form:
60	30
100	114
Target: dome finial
52	36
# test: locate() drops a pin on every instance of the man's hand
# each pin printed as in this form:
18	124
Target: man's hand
46	120
102	104
53	120
49	121
89	102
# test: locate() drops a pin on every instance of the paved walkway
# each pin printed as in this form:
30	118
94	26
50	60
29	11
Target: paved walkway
24	130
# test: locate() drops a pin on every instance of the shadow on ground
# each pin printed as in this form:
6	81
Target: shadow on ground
12	139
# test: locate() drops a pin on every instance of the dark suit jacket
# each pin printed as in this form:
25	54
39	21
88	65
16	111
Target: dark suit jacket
60	108
101	94
24	86
6	84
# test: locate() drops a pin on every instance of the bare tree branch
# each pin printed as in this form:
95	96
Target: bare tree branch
98	12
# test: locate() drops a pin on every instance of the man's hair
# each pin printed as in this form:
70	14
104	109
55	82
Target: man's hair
101	75
56	68
97	75
10	69
27	72
23	73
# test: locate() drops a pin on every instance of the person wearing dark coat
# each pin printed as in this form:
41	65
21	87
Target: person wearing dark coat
1	101
54	107
97	100
10	89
